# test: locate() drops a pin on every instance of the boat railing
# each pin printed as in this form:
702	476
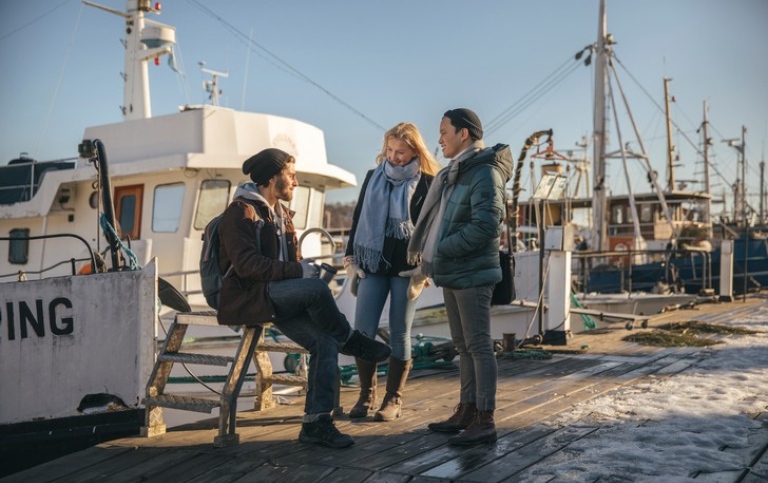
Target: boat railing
705	275
331	255
184	277
623	263
658	270
21	275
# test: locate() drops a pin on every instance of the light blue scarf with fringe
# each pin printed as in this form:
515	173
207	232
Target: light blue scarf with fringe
385	211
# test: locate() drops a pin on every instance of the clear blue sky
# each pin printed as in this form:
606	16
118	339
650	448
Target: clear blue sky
401	60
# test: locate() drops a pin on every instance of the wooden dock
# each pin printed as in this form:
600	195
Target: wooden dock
531	389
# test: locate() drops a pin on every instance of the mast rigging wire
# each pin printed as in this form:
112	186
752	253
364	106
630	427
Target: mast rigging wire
532	96
61	75
683	133
34	20
283	65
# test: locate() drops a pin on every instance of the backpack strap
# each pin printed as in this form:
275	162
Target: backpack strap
259	225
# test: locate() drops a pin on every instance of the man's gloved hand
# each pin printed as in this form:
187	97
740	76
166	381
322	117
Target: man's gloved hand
309	269
354	273
417	283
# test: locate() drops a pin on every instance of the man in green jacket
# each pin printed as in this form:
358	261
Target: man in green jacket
457	243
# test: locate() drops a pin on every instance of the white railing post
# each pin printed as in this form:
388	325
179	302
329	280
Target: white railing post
726	271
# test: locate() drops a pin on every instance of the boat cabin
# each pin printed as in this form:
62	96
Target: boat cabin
170	175
686	209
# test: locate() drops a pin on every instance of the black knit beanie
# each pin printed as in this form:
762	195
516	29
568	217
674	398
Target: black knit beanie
466	118
262	166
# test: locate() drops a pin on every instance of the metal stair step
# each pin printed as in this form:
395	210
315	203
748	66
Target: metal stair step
187	403
287	347
287	379
207	317
191	358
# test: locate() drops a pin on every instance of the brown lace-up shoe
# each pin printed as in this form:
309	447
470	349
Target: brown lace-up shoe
482	430
462	417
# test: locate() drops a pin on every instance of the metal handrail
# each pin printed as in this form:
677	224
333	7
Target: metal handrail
58	235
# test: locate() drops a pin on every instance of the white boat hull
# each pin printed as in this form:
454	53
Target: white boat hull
66	338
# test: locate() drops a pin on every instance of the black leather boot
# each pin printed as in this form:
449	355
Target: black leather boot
365	348
324	433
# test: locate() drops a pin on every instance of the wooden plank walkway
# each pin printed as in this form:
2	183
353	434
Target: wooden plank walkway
530	391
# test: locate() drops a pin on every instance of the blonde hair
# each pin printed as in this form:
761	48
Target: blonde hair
410	135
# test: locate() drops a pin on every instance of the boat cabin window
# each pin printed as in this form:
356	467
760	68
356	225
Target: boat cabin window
300	204
646	213
213	199
618	214
128	203
18	247
166	210
695	216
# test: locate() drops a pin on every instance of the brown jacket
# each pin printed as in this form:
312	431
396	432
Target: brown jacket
244	298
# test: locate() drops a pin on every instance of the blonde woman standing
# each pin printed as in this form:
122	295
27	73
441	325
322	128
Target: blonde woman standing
387	208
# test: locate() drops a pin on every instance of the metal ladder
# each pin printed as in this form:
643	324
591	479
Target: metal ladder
251	341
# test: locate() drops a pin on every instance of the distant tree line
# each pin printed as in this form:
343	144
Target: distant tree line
338	216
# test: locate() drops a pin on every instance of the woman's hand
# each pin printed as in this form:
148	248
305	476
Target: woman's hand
354	273
417	283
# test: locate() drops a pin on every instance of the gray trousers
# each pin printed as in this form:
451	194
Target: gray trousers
469	318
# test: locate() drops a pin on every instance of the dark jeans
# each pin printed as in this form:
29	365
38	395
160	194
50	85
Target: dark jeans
469	318
306	312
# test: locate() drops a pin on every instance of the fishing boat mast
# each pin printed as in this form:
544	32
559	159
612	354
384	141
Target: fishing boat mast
145	39
599	199
604	90
670	146
762	192
707	185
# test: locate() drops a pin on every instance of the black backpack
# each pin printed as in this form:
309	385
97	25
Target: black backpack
211	278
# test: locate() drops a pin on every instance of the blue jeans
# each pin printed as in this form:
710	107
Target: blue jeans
469	318
306	313
372	293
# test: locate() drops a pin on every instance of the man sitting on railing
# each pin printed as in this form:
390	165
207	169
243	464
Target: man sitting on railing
269	283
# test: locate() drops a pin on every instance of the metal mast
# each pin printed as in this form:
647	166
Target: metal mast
141	44
707	186
744	175
762	192
600	228
670	147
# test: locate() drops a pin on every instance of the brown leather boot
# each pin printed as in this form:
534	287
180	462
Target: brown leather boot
482	430
392	406
367	374
462	417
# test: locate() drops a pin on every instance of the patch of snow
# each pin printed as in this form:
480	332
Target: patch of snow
669	428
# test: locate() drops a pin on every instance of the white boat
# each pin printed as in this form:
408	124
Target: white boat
169	175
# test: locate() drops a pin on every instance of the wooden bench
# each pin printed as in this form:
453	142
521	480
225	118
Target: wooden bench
252	346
